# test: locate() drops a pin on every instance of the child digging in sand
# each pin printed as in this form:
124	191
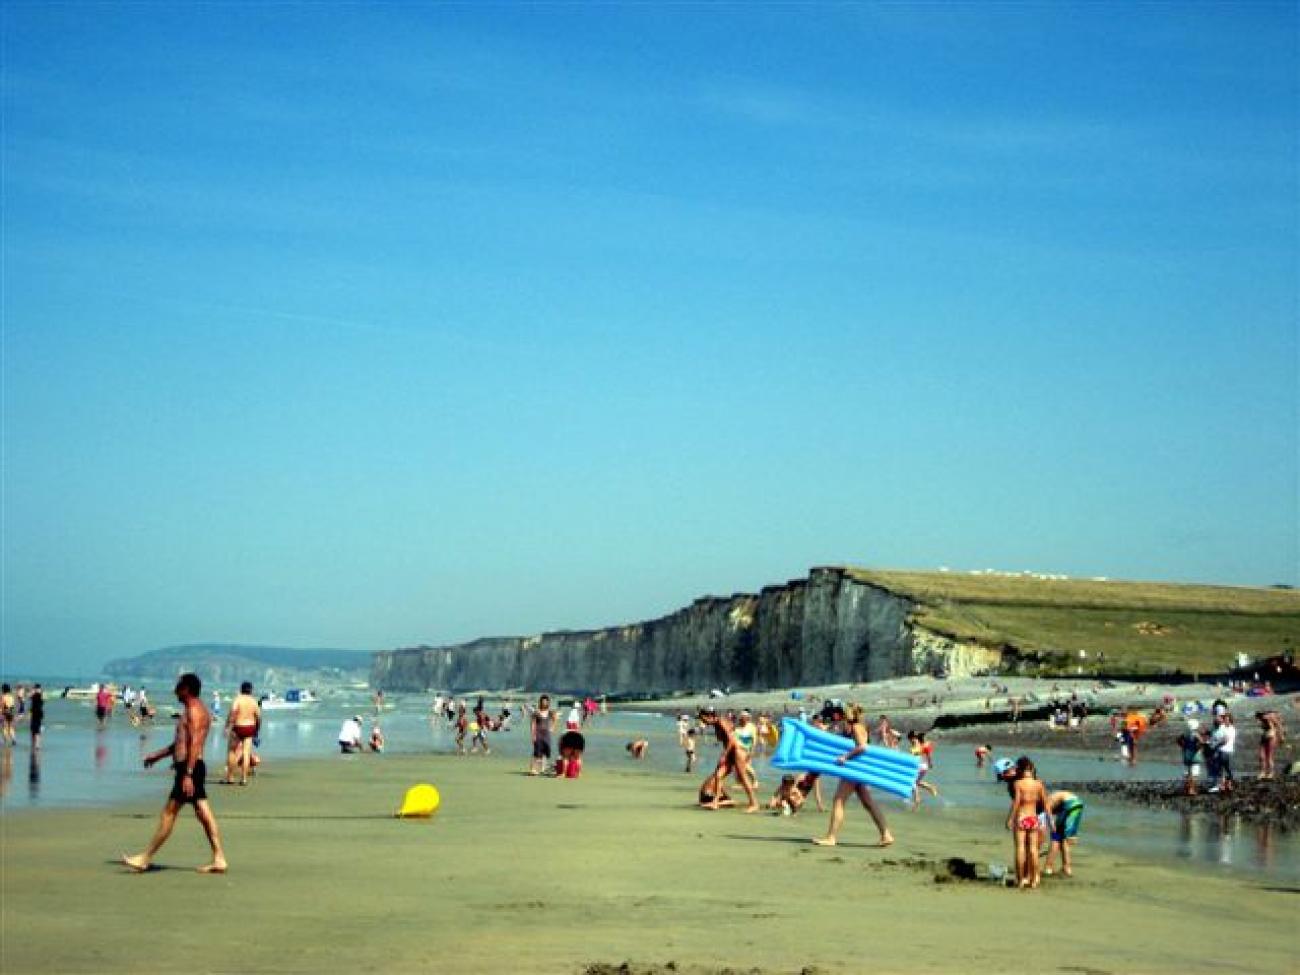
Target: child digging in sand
787	800
1028	799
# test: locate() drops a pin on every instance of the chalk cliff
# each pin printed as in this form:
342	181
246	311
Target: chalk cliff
829	628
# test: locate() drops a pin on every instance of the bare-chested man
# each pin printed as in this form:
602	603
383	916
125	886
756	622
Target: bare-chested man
186	752
243	723
733	761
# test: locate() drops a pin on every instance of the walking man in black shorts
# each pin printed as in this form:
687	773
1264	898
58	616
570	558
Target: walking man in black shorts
186	753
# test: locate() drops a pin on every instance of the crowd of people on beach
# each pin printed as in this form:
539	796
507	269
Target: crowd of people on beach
1043	822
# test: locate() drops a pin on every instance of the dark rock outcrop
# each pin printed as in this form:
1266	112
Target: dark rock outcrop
828	628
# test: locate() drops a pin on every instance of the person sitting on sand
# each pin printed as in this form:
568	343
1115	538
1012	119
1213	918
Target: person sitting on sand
1065	812
569	764
714	795
810	784
1028	800
732	761
637	749
376	738
857	729
787	800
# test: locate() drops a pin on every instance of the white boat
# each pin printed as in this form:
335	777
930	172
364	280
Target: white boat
294	699
87	693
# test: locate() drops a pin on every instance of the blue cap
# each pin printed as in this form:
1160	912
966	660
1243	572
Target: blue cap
1002	766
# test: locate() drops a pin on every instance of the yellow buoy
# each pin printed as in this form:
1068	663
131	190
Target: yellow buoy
421	801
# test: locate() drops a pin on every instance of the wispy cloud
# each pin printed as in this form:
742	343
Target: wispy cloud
775	105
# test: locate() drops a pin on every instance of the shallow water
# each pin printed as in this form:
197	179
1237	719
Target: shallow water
80	765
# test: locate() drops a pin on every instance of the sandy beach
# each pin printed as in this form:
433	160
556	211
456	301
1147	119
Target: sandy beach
541	875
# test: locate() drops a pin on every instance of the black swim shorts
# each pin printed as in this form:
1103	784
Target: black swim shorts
542	748
199	778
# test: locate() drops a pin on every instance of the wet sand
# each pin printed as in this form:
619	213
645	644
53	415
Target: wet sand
539	875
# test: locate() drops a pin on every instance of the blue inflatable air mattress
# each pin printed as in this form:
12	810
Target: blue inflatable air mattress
803	748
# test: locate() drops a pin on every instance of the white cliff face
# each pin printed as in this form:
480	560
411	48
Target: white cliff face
957	658
828	628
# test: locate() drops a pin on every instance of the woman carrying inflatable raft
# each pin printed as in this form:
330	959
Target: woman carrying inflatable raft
857	729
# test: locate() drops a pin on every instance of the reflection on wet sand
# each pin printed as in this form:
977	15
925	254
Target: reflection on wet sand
34	775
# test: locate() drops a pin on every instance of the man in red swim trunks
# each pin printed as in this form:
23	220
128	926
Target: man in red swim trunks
243	723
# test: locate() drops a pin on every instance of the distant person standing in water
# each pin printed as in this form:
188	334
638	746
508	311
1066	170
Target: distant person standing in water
186	753
1272	734
8	712
103	705
38	716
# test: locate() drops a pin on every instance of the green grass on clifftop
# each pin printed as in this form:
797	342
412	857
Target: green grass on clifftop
1139	627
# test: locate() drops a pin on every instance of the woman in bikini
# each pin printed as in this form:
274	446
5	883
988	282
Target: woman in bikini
1271	735
1028	799
857	729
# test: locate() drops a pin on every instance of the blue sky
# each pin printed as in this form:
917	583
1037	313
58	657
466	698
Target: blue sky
369	325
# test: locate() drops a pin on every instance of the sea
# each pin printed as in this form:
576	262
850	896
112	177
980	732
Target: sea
81	765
